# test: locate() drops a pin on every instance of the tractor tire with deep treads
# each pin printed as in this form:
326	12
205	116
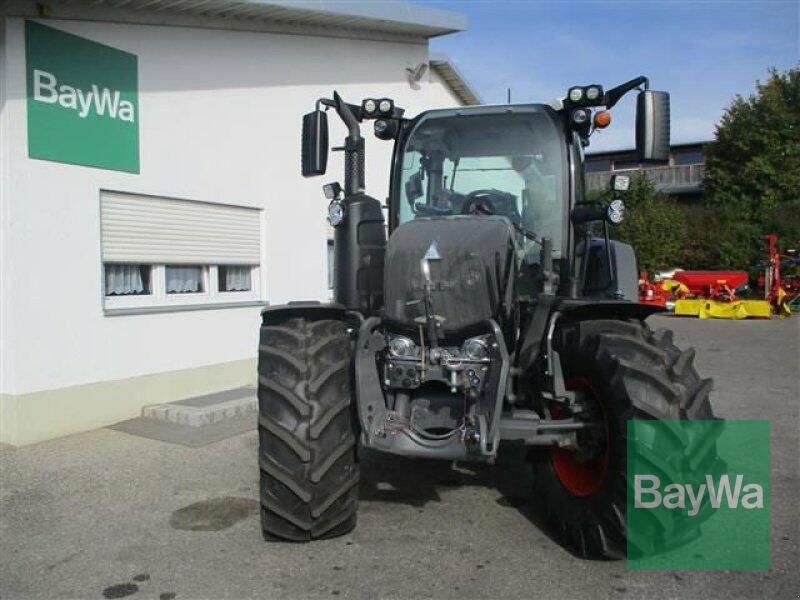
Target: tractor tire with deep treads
307	430
633	373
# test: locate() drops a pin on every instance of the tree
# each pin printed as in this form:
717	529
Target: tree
654	225
753	172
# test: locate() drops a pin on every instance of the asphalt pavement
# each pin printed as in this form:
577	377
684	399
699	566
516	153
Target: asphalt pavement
108	514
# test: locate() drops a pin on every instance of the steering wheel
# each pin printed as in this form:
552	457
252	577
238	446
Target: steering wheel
479	202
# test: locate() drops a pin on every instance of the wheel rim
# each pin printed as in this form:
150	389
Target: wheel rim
580	477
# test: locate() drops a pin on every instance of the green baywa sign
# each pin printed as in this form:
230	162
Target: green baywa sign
82	100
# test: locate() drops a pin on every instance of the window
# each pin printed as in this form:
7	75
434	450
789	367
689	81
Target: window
234	278
163	253
127	280
623	164
688	158
517	158
185	280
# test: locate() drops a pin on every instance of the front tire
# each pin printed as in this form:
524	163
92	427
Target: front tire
307	431
627	371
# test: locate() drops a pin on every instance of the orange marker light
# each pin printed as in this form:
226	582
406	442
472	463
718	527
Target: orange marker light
602	119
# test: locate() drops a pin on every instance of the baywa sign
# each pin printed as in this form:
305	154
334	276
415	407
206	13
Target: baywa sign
82	100
705	507
100	101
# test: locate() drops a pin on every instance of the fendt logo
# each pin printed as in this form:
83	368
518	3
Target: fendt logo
83	100
698	494
102	101
648	494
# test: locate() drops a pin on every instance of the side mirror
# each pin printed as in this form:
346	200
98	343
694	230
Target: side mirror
315	143
594	212
652	126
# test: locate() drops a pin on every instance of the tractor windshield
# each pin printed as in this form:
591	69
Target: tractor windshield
509	164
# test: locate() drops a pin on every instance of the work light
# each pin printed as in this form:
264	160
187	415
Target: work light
369	106
332	190
385	106
593	92
620	183
576	94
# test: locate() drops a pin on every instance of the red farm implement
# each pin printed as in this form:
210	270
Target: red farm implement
779	277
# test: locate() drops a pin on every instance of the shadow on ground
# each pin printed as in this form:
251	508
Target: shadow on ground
416	482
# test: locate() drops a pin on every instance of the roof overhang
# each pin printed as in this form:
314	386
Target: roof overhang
445	69
630	150
393	20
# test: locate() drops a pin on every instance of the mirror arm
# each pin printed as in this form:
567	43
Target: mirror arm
614	95
345	113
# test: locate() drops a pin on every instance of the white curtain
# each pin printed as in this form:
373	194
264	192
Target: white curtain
237	279
181	280
123	279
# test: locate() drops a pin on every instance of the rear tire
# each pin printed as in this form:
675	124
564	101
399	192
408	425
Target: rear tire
634	373
307	431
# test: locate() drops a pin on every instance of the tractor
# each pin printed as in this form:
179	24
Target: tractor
484	306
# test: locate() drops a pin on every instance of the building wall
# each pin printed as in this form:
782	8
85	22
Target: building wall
219	121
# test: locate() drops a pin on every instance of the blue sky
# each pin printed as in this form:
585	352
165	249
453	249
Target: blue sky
702	52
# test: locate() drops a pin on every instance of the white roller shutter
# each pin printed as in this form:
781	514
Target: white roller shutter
154	230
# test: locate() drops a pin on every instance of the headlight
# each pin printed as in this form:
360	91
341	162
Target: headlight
616	212
402	347
576	94
335	213
476	349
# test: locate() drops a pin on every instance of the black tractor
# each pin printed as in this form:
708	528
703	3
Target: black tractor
492	310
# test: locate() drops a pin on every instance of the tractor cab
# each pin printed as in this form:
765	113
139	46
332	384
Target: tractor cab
523	163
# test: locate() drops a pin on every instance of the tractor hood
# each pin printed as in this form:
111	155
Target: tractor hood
473	266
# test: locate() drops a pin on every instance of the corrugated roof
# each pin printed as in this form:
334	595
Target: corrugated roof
445	68
396	17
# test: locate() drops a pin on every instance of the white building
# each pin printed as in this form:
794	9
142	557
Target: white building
150	195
